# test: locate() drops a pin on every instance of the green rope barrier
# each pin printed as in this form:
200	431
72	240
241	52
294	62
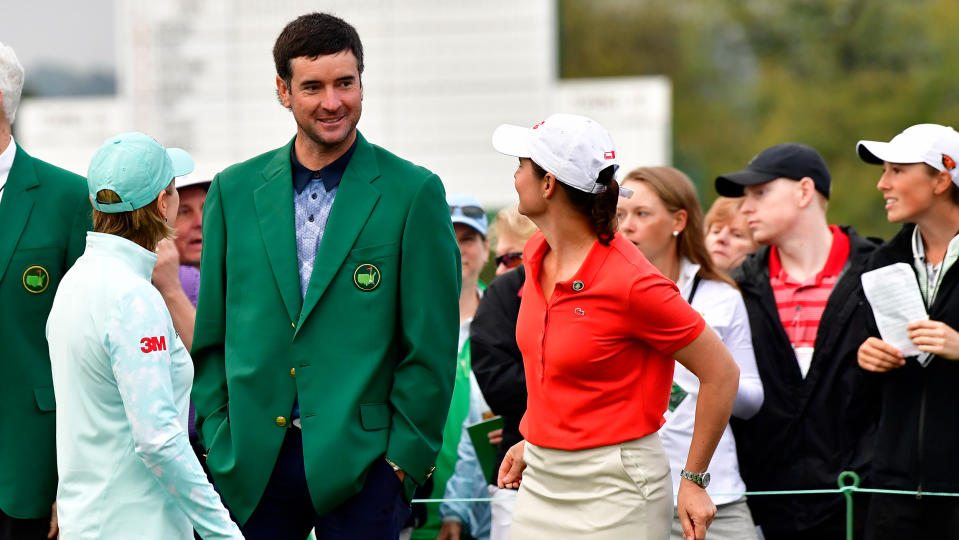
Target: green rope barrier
848	482
847	491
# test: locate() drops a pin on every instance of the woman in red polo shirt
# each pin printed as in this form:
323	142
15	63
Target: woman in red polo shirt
599	327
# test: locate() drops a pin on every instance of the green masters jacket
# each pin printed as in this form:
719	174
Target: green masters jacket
369	351
44	216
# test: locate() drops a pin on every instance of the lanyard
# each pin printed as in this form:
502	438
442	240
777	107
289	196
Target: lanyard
692	292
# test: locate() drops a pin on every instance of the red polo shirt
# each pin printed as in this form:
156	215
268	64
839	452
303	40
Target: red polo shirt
801	304
598	355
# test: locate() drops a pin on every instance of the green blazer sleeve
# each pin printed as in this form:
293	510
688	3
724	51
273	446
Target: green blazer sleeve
429	327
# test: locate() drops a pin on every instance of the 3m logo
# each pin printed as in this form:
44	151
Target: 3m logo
152	344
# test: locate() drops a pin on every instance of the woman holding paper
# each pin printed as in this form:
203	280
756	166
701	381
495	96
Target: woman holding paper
918	435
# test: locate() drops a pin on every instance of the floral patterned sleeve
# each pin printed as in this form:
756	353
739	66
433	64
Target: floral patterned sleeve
145	376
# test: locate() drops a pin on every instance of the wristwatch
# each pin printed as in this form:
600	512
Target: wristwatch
700	479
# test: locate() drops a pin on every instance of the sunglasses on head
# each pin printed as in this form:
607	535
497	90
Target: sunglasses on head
511	260
469	211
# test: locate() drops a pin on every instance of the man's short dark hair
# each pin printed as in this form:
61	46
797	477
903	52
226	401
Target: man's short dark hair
312	35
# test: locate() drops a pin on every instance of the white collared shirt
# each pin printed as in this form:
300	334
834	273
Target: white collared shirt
6	163
722	306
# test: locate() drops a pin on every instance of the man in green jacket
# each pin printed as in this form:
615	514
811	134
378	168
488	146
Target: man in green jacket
44	215
326	328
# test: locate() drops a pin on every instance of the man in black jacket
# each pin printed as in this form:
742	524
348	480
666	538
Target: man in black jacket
498	366
806	309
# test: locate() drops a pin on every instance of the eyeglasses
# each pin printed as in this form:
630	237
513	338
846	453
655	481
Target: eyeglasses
469	211
510	260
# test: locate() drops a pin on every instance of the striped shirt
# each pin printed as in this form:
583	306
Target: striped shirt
801	304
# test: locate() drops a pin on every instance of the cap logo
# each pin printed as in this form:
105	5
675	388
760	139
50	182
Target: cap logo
948	162
36	279
366	277
539	124
609	155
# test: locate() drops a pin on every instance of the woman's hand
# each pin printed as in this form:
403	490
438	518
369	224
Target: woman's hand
878	356
166	273
696	510
54	525
511	470
495	436
935	337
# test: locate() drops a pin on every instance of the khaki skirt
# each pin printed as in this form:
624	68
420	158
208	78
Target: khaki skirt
616	492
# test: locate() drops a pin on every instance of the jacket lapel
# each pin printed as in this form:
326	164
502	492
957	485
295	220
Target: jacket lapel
16	205
355	200
274	211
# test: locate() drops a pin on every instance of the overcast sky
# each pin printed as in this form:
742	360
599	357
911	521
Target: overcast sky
75	34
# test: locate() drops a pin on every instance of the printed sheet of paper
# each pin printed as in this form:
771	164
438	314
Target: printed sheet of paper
896	301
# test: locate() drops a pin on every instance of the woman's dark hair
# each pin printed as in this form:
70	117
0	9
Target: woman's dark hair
312	35
599	208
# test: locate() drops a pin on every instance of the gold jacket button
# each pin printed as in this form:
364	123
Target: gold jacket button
293	372
293	324
281	421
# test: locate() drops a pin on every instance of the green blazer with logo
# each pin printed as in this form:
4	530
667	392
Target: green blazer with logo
370	351
44	216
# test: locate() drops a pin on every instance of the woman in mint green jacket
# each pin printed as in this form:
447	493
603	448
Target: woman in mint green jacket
121	375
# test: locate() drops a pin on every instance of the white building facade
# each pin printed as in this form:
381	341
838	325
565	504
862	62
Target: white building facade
439	77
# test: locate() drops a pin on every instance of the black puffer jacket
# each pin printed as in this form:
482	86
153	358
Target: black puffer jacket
496	360
808	430
918	439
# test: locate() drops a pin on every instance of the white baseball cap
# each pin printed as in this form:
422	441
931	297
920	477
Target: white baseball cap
191	179
932	144
574	148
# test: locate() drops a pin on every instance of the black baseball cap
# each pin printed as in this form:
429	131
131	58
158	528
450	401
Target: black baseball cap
789	160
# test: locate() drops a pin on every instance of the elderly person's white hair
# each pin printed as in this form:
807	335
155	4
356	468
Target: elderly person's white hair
11	81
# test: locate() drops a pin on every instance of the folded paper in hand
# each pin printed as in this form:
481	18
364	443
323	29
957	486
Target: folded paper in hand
894	295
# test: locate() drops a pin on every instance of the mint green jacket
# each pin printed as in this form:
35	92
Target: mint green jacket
44	215
370	350
122	379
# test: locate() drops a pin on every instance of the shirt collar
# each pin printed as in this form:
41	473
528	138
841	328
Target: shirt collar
329	175
687	271
835	262
117	247
6	160
537	247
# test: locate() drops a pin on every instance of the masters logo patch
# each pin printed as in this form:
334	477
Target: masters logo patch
366	277
36	279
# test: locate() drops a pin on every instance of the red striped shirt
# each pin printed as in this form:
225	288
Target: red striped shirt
801	304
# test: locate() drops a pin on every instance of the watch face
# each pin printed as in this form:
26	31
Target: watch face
705	480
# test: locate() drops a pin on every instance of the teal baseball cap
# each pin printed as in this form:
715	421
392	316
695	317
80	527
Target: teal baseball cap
137	168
